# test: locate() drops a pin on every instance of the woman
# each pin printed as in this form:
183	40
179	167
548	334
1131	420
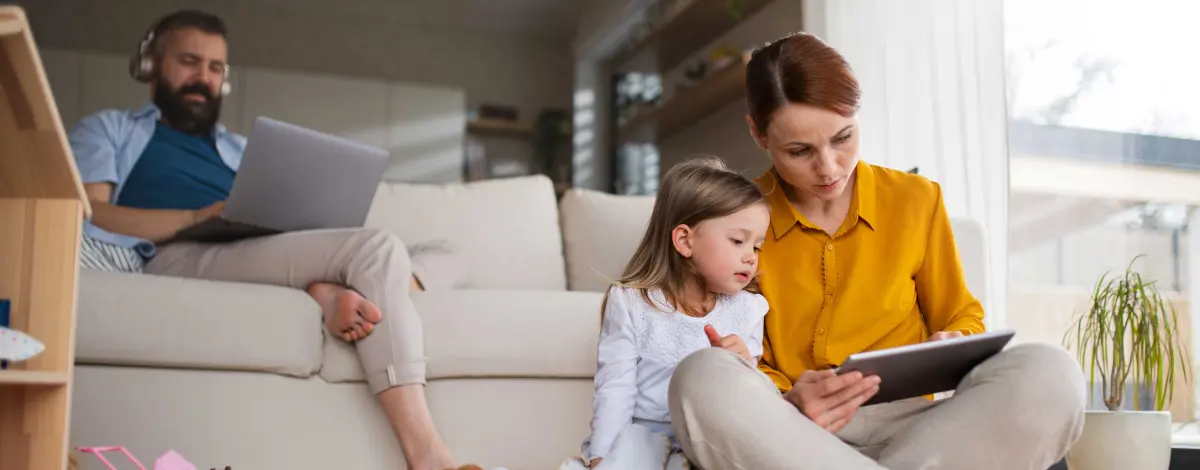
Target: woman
858	258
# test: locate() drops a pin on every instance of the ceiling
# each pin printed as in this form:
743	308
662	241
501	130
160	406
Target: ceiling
555	19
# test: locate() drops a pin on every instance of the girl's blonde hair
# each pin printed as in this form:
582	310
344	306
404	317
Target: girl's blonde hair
696	190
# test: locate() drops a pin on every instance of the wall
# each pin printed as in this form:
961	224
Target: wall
932	74
422	126
724	133
529	72
601	28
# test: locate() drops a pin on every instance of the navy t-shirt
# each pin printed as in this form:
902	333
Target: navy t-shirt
177	171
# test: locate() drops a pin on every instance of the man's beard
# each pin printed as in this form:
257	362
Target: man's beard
187	116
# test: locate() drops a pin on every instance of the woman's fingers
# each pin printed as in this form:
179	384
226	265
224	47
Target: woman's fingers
941	335
813	376
837	426
852	391
836	384
845	403
846	410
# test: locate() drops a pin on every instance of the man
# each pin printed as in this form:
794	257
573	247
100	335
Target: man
169	165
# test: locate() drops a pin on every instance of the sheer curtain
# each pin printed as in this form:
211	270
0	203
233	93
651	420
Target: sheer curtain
932	73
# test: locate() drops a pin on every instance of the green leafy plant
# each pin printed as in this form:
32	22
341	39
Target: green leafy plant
1128	332
737	8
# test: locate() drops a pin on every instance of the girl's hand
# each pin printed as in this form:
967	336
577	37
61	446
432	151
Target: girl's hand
594	462
731	343
830	400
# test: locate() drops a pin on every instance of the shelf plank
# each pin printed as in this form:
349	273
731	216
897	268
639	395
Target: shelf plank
691	104
35	159
695	26
496	126
31	377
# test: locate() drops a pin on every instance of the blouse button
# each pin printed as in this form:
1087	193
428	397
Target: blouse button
821	332
829	247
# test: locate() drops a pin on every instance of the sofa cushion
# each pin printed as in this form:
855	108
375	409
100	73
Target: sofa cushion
494	333
147	320
493	226
600	233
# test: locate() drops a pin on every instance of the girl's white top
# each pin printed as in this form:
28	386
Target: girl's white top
640	345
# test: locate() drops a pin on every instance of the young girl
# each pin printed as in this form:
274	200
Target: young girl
690	285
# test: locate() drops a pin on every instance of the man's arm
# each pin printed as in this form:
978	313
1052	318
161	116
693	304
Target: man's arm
152	224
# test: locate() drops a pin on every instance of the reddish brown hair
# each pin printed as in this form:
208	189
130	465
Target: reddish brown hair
799	69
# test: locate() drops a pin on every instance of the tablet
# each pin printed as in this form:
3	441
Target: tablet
926	368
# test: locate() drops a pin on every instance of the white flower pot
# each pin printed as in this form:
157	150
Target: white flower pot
1123	440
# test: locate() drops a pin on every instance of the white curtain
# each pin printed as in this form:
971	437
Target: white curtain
932	74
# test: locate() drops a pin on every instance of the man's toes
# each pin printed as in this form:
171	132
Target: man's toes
369	312
367	328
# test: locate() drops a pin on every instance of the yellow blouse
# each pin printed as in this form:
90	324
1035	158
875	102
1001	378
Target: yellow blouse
889	276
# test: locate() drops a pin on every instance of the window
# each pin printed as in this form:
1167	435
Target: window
1104	159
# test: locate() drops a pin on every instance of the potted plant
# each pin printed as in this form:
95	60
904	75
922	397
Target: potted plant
1127	336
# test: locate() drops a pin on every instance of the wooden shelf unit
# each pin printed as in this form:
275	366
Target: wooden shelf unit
42	208
687	31
691	104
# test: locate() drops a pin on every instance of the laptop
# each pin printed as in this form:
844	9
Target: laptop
291	179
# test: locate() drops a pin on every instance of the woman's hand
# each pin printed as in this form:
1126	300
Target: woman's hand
944	335
830	400
731	343
594	462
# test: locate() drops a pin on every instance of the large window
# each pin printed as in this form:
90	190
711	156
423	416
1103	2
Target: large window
1104	107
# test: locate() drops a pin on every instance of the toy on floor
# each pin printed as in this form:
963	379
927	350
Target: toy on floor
170	460
16	346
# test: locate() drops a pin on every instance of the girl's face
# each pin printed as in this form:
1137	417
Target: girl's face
725	249
813	149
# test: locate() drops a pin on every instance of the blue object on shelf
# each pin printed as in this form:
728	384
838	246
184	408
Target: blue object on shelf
4	322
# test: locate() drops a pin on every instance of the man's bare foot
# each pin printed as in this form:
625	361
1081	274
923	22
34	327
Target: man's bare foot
347	314
438	458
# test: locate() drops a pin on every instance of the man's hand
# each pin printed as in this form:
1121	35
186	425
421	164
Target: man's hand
211	211
152	224
944	335
830	400
731	343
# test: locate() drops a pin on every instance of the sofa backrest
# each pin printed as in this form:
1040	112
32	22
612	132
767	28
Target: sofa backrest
505	231
601	232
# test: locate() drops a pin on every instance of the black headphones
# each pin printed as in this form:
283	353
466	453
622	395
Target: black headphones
141	65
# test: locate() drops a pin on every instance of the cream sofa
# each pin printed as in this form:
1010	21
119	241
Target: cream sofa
244	375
